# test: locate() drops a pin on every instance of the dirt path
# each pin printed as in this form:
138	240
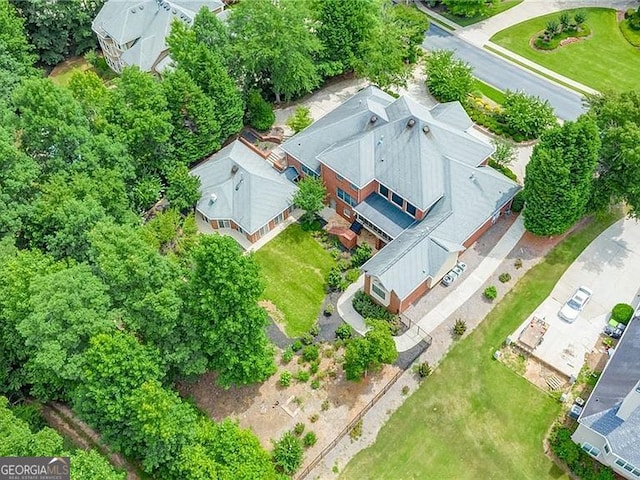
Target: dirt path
64	421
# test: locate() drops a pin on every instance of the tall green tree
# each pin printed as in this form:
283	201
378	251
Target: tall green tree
139	108
51	123
65	309
160	424
224	288
183	189
205	66
377	347
16	55
344	27
114	365
196	131
560	176
276	43
527	116
618	118
449	79
18	268
310	197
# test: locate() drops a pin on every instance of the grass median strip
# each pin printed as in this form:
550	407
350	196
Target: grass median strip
475	418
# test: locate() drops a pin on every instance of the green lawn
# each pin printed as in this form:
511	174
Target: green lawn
295	267
604	61
62	73
495	9
474	418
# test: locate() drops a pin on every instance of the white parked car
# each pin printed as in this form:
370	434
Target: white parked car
575	304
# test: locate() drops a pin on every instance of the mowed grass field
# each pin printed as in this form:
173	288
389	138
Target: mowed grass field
604	61
474	418
295	267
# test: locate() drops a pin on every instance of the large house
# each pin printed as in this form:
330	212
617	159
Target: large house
133	32
609	425
414	177
241	191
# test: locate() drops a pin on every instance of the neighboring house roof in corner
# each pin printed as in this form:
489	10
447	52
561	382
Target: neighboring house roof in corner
147	20
251	196
618	379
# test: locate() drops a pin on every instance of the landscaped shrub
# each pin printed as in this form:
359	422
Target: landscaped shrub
325	405
344	331
361	254
298	429
356	431
448	78
527	115
517	204
578	461
423	370
306	339
309	440
352	275
314	418
490	293
627	15
259	113
287	355
328	310
285	378
315	330
310	353
459	328
302	376
334	279
300	119
504	277
287	454
315	384
296	346
405	390
622	313
365	306
314	367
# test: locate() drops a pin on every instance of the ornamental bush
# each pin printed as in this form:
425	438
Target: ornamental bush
344	331
309	440
287	453
448	78
622	313
285	379
459	328
310	353
490	293
526	115
365	306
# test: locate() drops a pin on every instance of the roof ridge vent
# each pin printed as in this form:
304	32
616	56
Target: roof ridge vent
213	198
411	122
234	169
373	119
425	128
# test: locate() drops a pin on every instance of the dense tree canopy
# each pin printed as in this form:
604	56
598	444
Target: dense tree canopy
16	57
59	29
370	352
448	78
618	118
559	177
468	8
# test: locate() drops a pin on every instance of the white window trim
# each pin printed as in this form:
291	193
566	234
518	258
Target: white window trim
384	300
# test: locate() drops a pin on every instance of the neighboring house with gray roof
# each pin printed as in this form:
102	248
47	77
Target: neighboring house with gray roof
133	32
414	177
241	191
609	425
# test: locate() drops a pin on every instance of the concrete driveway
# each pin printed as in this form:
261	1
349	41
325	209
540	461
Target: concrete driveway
504	75
609	266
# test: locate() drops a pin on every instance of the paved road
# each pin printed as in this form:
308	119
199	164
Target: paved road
504	75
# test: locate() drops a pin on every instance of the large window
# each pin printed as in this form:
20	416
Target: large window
307	171
384	191
411	210
378	291
590	449
397	199
345	197
224	224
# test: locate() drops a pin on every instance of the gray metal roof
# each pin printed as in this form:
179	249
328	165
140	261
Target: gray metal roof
148	22
251	196
618	379
384	215
394	149
472	196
